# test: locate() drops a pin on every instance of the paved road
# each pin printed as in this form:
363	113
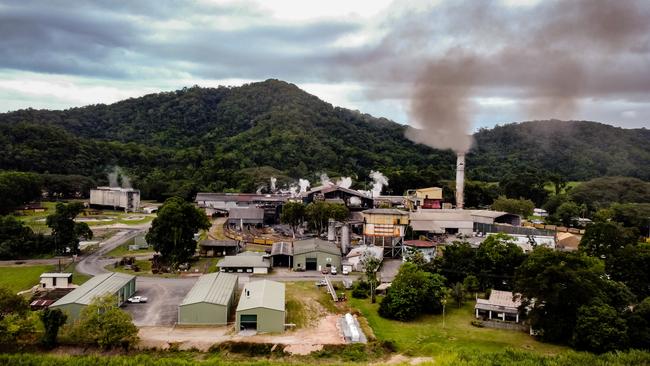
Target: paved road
93	264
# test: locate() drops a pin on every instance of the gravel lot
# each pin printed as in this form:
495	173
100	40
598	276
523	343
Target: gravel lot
164	295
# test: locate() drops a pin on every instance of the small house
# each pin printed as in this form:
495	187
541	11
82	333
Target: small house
56	280
262	307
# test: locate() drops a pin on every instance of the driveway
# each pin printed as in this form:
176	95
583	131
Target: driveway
164	295
389	269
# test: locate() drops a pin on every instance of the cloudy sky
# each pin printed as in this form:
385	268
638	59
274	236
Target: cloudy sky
464	63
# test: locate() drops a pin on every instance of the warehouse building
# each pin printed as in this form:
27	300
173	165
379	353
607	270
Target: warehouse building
218	248
261	307
245	216
281	254
210	301
246	262
127	199
119	284
315	254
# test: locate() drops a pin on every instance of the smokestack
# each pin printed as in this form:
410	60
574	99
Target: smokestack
460	180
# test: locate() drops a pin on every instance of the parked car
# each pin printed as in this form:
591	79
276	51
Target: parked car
345	271
325	270
333	271
137	299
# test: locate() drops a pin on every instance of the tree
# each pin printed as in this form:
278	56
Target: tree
496	260
556	284
370	265
638	325
172	231
630	265
458	293
17	240
293	213
458	261
522	207
602	239
10	303
599	328
603	192
65	231
416	257
17	323
413	292
17	188
103	324
567	213
319	213
52	321
471	284
527	185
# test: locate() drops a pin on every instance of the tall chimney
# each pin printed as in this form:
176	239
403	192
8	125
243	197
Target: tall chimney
460	180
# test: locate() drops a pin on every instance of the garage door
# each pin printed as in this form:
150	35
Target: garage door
248	321
311	264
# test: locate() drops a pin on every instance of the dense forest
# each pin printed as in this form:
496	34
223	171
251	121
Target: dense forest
235	138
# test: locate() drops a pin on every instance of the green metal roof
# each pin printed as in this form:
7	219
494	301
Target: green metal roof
315	245
262	294
214	288
108	283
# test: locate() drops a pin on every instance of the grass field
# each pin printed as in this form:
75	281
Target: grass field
570	185
427	337
123	250
19	278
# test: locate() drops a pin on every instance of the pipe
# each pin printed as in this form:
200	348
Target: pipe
460	180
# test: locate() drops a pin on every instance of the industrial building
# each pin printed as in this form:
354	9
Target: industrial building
218	248
238	217
466	222
56	280
282	254
210	301
427	248
127	199
262	307
221	203
119	284
353	200
385	227
247	262
425	198
501	305
315	254
352	261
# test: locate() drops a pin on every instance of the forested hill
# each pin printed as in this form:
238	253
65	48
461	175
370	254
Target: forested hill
578	150
236	137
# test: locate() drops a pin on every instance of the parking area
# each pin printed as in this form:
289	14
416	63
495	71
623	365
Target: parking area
164	295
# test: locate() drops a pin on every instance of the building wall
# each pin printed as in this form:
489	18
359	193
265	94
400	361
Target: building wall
73	311
61	282
268	320
322	259
203	313
384	219
116	198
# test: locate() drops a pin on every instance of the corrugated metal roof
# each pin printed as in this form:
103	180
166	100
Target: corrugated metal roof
97	286
282	247
315	245
499	300
248	213
262	294
213	288
238	261
386	211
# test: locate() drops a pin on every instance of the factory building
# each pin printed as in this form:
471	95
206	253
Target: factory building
385	227
466	222
262	307
127	199
352	261
121	285
425	198
210	301
218	248
427	248
221	203
247	262
315	254
239	217
353	200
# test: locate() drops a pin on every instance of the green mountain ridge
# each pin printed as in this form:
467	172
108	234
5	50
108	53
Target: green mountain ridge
236	137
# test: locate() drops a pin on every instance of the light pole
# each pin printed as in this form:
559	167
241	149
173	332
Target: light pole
444	302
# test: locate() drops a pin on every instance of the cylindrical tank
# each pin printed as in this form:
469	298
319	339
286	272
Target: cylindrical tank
331	230
345	238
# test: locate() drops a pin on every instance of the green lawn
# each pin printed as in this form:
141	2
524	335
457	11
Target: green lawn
19	278
571	184
427	337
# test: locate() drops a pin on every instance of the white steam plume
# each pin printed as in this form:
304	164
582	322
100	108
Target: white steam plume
344	182
325	180
304	184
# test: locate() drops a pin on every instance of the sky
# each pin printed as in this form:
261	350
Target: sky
454	66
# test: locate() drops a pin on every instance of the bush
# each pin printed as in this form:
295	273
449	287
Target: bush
249	349
361	290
